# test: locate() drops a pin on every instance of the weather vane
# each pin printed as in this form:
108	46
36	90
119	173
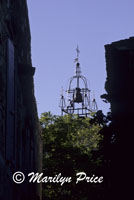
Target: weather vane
78	52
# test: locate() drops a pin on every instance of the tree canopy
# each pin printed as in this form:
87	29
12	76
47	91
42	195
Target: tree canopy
70	145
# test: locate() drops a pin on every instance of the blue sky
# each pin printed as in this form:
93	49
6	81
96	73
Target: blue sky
57	26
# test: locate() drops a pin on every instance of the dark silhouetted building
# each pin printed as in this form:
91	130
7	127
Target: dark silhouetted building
20	138
120	88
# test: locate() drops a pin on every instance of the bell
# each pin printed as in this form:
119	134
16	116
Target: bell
78	96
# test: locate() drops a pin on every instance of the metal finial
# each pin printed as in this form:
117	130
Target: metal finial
94	104
62	90
93	94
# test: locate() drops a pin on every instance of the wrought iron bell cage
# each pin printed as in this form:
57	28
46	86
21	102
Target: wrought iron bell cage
78	98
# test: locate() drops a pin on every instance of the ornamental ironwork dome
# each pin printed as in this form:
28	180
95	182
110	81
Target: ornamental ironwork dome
78	95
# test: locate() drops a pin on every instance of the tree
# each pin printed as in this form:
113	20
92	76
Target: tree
69	146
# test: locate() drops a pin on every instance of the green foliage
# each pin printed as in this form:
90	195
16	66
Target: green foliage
69	146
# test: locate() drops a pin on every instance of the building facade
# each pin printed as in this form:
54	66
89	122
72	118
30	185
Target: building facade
120	86
20	135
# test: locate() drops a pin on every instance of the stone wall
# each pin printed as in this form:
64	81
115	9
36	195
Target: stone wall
20	138
120	87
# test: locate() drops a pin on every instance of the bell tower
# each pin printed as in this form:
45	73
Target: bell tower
78	95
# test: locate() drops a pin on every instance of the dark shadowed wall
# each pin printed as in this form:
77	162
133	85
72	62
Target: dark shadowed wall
120	88
20	138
